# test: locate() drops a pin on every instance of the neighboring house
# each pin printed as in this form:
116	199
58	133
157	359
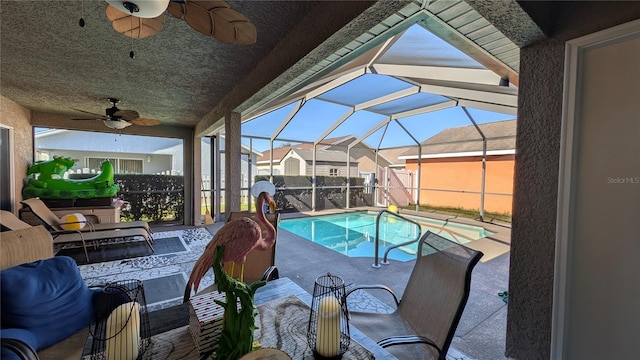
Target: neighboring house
361	154
451	167
393	157
300	162
246	171
364	155
129	154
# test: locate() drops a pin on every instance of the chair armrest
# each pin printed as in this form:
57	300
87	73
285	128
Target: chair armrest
271	273
410	339
373	287
55	233
19	348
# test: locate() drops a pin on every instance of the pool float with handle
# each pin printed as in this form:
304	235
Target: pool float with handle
47	187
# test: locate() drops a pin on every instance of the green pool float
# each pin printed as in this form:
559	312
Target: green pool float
48	187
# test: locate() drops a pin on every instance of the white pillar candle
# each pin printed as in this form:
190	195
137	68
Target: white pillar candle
328	331
123	332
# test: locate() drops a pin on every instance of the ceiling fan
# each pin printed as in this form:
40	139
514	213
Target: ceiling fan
214	18
115	118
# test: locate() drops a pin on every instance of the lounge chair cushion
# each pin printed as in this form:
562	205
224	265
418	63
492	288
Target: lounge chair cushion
46	297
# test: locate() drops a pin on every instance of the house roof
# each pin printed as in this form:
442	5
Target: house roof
280	152
325	156
466	141
79	140
326	143
392	155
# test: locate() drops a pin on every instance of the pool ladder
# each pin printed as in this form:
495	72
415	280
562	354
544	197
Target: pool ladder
376	264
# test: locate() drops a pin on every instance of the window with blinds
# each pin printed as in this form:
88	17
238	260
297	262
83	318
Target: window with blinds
120	166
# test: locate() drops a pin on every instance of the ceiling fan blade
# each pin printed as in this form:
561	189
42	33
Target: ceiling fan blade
176	9
127	114
216	19
133	26
145	122
88	112
100	118
232	27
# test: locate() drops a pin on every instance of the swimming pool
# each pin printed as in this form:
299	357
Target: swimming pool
353	234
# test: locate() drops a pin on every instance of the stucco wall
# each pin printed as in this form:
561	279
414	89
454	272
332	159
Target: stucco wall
536	173
18	119
366	159
465	174
324	168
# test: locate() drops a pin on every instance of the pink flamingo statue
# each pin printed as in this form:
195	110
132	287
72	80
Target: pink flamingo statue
239	237
232	243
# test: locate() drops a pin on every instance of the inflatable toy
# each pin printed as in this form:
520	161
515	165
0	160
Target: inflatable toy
46	186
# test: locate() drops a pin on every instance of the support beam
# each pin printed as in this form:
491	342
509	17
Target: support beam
419	162
464	75
233	162
484	162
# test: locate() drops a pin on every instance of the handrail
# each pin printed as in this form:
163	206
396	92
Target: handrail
376	263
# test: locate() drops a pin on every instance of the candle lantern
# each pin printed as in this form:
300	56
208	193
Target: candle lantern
121	322
328	330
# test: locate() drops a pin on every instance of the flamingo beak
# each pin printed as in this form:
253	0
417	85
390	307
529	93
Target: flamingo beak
272	207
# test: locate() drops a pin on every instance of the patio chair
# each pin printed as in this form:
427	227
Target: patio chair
53	223
12	222
428	314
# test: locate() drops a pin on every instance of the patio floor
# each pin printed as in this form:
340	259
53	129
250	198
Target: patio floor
481	333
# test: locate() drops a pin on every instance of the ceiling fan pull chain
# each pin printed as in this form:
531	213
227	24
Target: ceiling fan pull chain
131	53
81	22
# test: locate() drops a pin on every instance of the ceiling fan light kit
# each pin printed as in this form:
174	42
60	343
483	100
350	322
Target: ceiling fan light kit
116	124
117	119
141	8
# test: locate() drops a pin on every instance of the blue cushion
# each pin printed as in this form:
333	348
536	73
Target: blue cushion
46	297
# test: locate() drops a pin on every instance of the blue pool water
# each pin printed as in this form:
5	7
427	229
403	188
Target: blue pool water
353	234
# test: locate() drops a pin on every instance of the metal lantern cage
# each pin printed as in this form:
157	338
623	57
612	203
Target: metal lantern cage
121	327
328	332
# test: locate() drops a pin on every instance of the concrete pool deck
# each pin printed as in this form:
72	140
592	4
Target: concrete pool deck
481	333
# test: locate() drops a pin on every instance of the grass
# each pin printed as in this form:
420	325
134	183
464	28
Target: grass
461	212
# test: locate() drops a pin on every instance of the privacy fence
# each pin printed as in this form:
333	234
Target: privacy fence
295	193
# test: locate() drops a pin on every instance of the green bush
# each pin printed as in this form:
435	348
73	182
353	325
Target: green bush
156	198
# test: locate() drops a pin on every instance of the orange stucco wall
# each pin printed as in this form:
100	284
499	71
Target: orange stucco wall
463	176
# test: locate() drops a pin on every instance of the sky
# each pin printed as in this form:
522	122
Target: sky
415	47
318	117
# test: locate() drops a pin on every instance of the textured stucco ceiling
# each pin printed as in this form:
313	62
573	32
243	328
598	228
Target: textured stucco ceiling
52	65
